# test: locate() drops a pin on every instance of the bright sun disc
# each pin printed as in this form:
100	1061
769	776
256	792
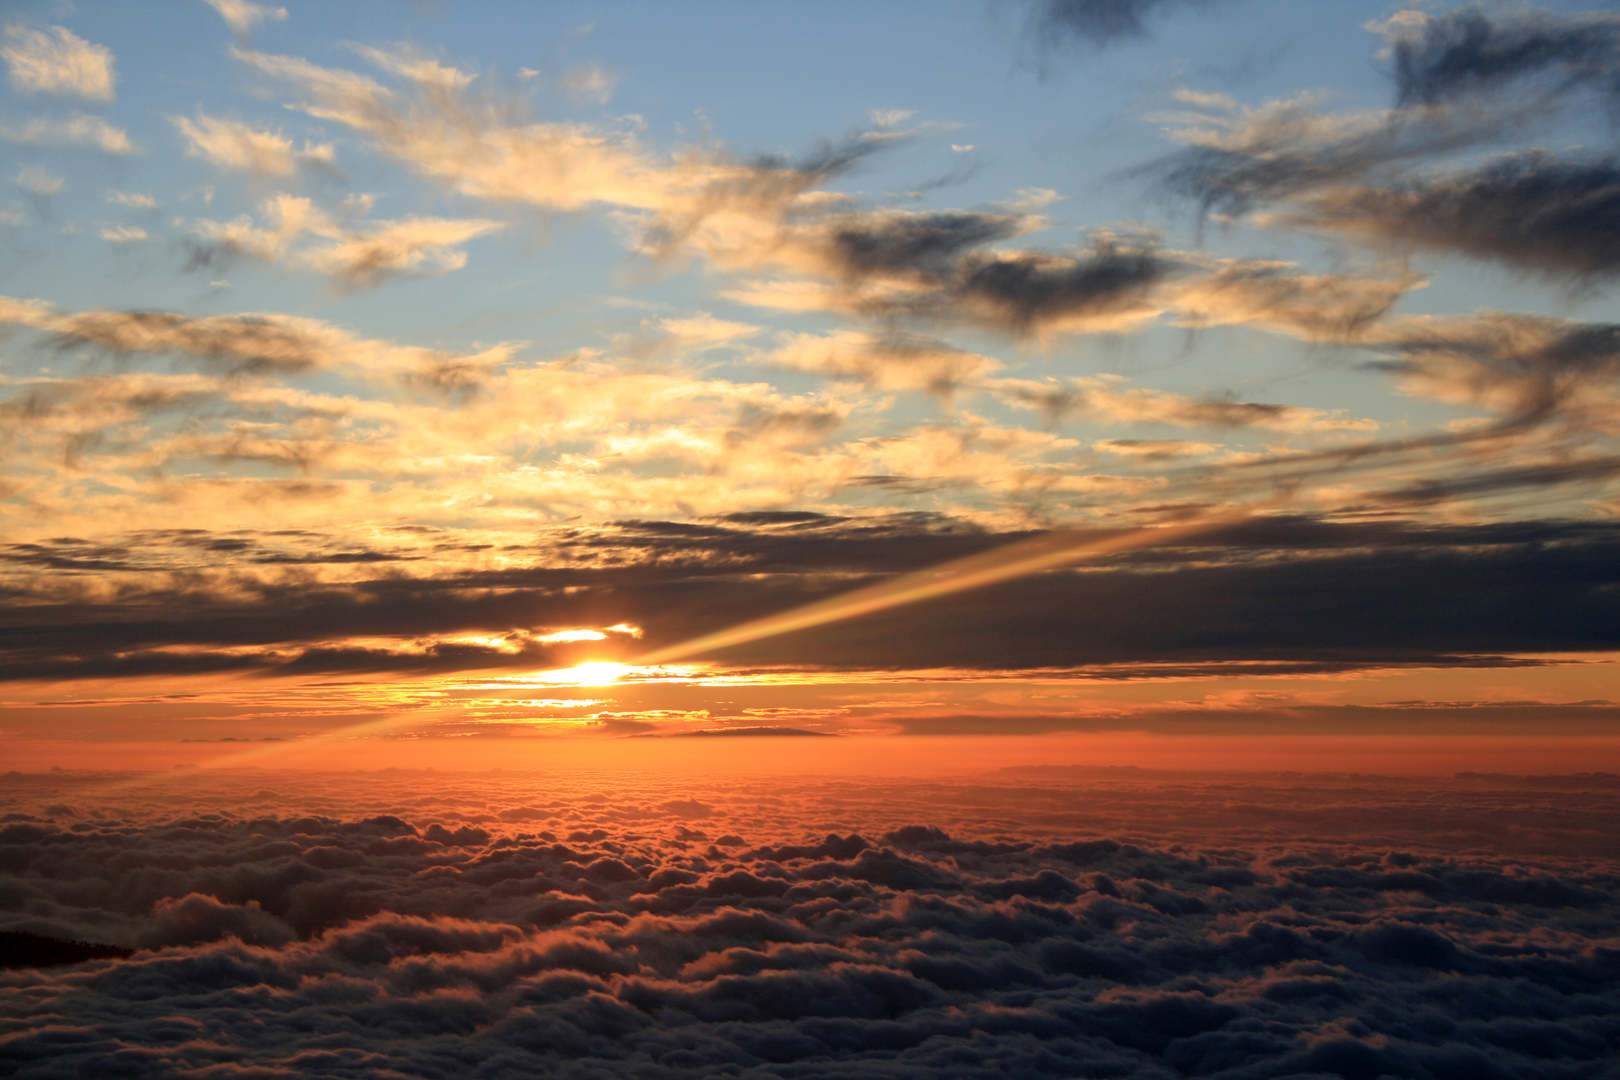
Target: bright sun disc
591	673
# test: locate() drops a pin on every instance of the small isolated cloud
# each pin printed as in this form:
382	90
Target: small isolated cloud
590	84
1101	23
80	130
38	181
132	199
890	118
243	15
57	61
123	234
230	144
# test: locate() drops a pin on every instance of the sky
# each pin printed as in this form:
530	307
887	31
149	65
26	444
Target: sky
1013	537
1165	383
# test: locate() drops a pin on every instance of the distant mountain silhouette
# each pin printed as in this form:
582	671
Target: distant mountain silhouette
20	949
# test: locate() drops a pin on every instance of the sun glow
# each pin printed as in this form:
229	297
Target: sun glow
590	673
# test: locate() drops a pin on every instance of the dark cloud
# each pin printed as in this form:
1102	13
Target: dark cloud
1529	370
425	923
922	245
766	187
1530	212
242	344
1509	478
1025	293
1443	57
1283	588
947	276
1286	150
1103	22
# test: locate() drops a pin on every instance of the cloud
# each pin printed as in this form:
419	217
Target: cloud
1278	715
39	181
249	344
1101	23
1238	158
1527	369
1244	598
123	234
475	149
1275	296
243	15
1457	54
298	233
1108	398
1531	212
79	130
417	67
1108	287
1321	924
941	267
929	267
406	246
231	144
478	145
1155	449
133	200
590	84
893	362
57	61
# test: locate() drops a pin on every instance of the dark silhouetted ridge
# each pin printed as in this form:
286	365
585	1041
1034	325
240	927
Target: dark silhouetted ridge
20	949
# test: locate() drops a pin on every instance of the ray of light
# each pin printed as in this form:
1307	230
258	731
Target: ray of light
1045	552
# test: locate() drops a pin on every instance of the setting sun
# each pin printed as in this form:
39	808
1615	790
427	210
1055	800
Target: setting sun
590	673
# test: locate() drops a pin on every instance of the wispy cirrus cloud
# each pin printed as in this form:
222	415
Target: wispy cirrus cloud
57	61
477	145
242	16
244	344
78	130
1457	54
294	231
233	145
1110	398
1559	218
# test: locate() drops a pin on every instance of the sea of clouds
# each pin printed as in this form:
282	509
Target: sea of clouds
1035	922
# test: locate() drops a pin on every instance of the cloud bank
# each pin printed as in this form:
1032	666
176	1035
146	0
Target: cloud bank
285	925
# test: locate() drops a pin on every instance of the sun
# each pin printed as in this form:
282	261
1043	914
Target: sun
590	673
